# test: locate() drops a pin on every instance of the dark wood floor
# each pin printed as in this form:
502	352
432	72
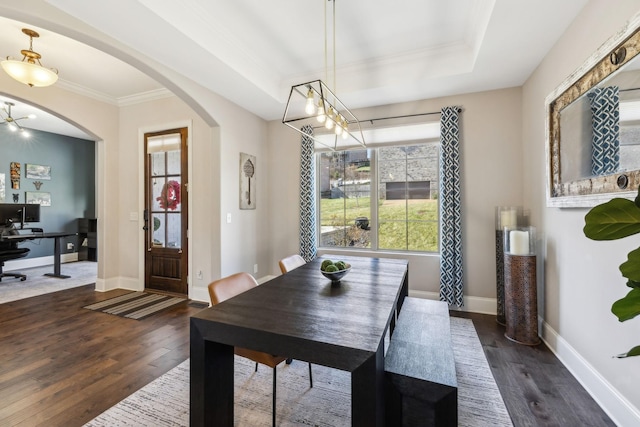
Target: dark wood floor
62	365
537	389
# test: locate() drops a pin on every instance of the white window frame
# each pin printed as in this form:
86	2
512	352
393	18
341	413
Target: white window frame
373	189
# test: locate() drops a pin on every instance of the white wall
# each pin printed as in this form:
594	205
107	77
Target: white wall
491	159
217	248
582	278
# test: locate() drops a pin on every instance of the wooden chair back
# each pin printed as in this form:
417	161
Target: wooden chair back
291	262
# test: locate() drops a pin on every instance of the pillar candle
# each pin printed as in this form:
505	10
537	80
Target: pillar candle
519	242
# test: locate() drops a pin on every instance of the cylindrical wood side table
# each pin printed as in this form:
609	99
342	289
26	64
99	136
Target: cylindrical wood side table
506	216
520	286
500	316
521	299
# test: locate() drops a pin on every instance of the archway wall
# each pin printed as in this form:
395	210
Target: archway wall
222	247
101	120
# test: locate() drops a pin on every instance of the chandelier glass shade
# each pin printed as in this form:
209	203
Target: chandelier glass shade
29	70
313	103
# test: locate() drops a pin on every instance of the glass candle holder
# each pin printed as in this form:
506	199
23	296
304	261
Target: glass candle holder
507	216
520	241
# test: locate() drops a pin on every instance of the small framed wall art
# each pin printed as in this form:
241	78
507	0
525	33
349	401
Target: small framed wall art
247	181
37	171
2	190
15	175
38	197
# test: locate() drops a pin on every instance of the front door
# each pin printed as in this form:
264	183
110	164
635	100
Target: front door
165	212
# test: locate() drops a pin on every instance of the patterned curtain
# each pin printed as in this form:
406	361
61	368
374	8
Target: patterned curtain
451	289
308	247
605	118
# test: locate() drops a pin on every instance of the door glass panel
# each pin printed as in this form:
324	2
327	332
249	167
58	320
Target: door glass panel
159	227
158	185
157	164
173	230
171	196
173	162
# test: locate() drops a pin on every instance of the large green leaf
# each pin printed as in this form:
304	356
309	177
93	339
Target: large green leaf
631	267
628	307
635	351
632	284
612	220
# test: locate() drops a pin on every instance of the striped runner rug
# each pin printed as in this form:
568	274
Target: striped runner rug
136	305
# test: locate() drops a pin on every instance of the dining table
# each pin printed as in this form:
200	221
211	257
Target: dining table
304	316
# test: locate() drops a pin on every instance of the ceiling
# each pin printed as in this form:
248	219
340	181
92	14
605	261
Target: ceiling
251	52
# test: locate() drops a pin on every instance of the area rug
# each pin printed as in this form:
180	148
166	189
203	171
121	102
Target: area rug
81	273
136	305
165	401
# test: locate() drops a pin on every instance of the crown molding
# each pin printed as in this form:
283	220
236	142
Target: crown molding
124	101
139	98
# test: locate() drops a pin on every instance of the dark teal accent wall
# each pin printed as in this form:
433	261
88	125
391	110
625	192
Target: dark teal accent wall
72	184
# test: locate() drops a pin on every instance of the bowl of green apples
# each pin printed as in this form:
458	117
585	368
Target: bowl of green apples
334	270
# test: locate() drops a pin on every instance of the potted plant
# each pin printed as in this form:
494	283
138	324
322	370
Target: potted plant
616	219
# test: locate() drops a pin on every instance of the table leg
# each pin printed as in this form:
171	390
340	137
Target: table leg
211	382
367	392
56	259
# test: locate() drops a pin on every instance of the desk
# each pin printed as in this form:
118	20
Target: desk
56	247
301	315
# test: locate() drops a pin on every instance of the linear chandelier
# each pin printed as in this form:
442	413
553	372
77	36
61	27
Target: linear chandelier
12	123
29	70
313	103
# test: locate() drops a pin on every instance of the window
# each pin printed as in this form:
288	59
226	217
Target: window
380	198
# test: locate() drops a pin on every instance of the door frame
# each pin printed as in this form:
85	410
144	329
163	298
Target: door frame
141	205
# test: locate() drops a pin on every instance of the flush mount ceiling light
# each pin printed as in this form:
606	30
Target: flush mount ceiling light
313	103
12	123
29	70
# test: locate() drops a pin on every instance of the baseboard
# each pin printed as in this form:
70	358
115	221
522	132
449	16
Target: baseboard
20	264
619	409
473	304
128	283
263	279
199	294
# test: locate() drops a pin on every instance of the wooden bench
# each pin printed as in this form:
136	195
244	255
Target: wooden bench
421	388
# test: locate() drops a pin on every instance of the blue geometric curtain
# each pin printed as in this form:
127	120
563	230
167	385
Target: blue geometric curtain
308	247
451	286
605	118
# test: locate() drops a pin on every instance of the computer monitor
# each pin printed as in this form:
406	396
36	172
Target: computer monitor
19	213
32	212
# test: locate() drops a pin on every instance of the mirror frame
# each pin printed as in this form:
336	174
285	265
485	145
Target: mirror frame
589	192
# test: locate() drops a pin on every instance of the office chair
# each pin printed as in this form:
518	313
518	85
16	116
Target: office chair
228	287
291	262
9	251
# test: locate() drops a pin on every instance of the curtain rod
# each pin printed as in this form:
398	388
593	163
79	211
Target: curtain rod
396	117
400	117
405	116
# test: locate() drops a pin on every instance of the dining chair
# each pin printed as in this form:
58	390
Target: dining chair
291	262
228	287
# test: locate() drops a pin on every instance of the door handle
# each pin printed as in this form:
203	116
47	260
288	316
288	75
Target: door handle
145	216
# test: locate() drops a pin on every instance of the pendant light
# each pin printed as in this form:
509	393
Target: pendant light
315	104
29	70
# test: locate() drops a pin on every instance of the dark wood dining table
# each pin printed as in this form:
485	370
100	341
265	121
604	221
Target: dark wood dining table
302	315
